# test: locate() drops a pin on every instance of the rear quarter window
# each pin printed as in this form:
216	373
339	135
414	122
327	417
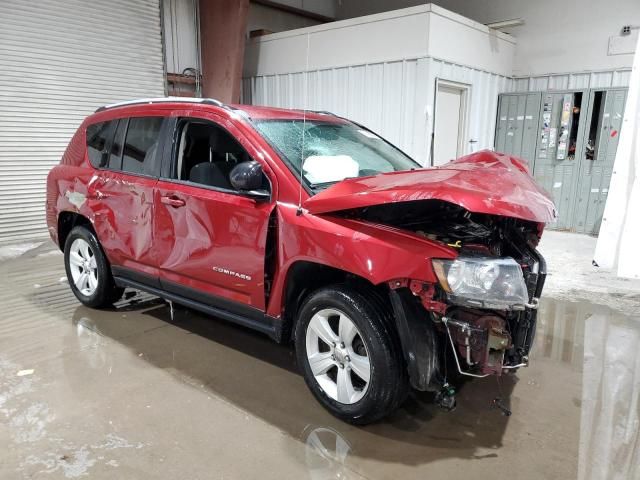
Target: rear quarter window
98	137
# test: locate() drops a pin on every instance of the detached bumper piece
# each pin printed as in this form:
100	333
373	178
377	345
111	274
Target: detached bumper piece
481	344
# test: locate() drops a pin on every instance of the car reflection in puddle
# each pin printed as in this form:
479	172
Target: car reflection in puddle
326	452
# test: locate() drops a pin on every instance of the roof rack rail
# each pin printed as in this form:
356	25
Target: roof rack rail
322	112
142	101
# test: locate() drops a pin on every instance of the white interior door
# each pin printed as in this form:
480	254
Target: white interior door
449	122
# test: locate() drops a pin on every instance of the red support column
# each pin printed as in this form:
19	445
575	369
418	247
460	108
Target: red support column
222	36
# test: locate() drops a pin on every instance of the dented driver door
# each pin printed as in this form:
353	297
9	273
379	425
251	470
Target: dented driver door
210	239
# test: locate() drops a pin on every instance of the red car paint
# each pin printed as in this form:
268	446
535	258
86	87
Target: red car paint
177	232
484	182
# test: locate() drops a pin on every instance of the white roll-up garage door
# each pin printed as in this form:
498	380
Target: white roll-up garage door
59	61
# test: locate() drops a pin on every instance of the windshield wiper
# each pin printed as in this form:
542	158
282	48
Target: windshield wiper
322	185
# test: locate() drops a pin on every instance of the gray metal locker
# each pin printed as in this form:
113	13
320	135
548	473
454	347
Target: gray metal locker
501	124
597	155
512	127
570	139
556	170
530	127
516	125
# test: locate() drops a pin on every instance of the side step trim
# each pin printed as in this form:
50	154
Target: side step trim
266	326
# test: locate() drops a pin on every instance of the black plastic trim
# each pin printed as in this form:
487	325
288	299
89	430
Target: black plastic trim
244	315
136	276
418	338
542	273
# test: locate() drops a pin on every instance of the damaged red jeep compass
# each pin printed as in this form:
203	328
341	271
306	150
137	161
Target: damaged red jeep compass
312	229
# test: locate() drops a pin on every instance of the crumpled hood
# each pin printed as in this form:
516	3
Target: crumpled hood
483	182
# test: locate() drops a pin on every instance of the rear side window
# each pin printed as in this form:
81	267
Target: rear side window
98	136
141	145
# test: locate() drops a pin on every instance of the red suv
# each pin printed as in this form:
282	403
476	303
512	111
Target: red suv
312	229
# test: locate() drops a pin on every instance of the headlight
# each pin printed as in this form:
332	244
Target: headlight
484	282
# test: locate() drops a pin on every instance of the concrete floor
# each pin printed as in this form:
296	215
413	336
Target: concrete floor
131	393
572	276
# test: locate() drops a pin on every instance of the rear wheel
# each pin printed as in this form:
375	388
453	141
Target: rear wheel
88	270
348	355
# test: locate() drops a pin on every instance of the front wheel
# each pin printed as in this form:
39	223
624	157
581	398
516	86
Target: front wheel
349	356
88	270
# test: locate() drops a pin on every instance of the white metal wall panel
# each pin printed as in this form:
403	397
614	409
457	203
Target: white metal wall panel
579	81
621	78
394	99
485	88
573	81
601	79
558	82
520	85
538	84
380	95
59	61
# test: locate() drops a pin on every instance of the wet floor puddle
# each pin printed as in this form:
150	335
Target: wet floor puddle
575	409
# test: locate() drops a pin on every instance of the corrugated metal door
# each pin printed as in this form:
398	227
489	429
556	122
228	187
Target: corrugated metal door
59	61
605	113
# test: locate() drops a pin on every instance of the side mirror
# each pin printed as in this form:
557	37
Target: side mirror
247	177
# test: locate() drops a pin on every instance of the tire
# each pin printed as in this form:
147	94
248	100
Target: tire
340	365
88	270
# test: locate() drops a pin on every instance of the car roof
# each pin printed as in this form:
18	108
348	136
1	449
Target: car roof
272	113
251	111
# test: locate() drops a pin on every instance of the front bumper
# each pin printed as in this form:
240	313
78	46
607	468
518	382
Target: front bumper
485	342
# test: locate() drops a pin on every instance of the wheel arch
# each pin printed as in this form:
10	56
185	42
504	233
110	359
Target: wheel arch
67	221
406	319
304	277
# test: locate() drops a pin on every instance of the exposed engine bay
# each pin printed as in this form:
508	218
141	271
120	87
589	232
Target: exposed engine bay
486	337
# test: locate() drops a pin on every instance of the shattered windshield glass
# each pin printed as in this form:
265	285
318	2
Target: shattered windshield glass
332	151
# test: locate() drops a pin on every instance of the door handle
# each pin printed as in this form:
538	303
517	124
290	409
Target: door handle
172	201
96	195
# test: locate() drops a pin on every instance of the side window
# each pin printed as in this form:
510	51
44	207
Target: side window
142	140
206	155
98	136
114	161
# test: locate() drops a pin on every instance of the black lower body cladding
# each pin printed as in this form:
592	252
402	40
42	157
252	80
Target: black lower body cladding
419	340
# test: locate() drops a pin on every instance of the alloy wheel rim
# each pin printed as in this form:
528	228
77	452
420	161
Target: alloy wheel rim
337	356
83	267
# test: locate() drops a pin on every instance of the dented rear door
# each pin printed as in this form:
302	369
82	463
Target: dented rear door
121	198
